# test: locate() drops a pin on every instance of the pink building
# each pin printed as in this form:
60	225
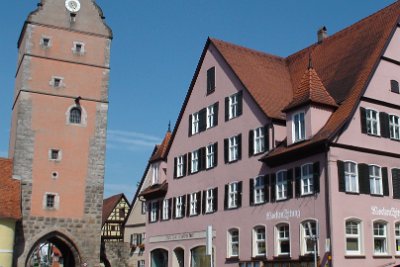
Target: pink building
286	157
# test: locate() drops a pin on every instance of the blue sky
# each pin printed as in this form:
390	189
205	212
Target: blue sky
156	48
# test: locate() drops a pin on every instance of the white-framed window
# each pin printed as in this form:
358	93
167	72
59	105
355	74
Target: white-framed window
258	141
179	207
51	201
78	48
394	126
57	82
194	164
165	209
233	106
259	190
210	154
259	241
397	237
282	239
372	117
45	42
153	211
351	176
55	154
75	115
210	116
299	127
308	236
180	166
380	238
233	195
141	263
195	122
233	148
155	179
281	185
233	243
193	204
210	200
353	237
307	179
375	180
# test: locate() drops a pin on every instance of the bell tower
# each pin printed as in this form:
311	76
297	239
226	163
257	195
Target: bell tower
58	131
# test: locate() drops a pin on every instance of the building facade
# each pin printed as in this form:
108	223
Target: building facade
291	160
58	130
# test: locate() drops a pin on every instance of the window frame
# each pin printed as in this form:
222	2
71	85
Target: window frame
155	177
383	237
356	236
210	156
209	201
374	179
351	177
195	161
165	209
370	121
179	207
233	240
309	178
153	211
233	106
74	118
210	116
397	238
193	204
195	127
258	140
281	185
233	148
180	162
211	80
306	237
259	190
394	127
81	51
233	195
280	239
257	241
298	126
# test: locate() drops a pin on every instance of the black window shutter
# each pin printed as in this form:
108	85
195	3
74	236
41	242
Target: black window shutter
384	123
297	176
185	163
175	166
203	202
226	196
215	200
215	155
342	181
215	117
266	137
273	187
363	173
149	211
170	208
202	120
198	204
396	183
226	150
240	103
394	86
174	208
203	158
190	125
226	108
251	186
210	79
363	117
385	181
239	139
316	177
183	204
158	210
266	188
189	163
240	186
251	141
289	176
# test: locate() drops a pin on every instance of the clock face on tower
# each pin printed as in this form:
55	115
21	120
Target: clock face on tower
72	5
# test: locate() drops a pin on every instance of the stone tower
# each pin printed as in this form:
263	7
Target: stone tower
58	132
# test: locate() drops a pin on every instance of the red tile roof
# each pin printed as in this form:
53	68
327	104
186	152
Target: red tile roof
344	62
10	192
311	90
160	152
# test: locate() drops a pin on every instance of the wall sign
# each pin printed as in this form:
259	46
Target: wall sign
387	212
179	236
282	214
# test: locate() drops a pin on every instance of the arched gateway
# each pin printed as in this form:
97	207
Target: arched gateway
53	249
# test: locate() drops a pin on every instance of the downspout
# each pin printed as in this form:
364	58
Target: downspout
328	202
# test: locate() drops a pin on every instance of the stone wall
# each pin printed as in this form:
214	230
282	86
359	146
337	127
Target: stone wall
118	253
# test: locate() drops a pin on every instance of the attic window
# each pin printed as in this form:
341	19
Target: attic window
298	127
210	80
394	86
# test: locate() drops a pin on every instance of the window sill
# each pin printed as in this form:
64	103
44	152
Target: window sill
354	256
373	135
258	204
382	256
232	259
232	161
377	195
352	193
209	92
257	154
259	258
282	257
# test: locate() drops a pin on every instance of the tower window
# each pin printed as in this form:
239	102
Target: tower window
75	115
45	42
56	81
51	201
78	48
55	154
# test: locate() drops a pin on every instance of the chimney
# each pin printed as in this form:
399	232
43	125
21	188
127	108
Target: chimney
322	34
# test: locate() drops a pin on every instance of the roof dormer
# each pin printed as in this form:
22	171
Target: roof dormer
310	109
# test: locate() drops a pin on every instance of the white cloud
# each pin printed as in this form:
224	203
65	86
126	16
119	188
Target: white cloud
118	139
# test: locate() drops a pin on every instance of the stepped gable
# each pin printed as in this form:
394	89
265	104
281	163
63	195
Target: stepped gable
10	192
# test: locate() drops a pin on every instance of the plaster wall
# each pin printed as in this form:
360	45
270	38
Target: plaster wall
7	231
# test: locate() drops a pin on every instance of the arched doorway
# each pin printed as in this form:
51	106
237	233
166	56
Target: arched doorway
159	258
198	257
53	250
179	258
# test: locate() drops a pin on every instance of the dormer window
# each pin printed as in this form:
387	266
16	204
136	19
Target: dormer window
155	174
299	129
